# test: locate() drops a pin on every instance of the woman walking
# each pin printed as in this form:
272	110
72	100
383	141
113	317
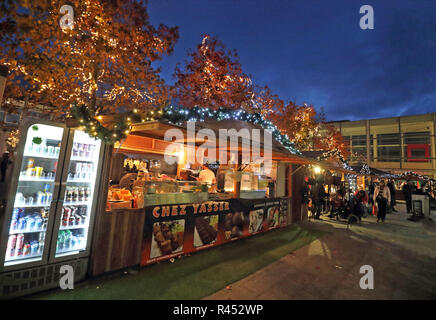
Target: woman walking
382	196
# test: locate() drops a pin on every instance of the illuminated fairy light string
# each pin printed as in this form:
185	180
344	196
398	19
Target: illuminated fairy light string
177	115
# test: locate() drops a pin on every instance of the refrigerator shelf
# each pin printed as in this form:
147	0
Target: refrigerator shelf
26	231
78	203
31	205
21	259
69	251
54	157
80	180
82	226
35	179
83	159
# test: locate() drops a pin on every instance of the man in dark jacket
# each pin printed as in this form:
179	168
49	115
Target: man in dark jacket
317	199
4	163
392	190
407	191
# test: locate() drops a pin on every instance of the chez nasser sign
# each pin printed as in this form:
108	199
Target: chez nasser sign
195	208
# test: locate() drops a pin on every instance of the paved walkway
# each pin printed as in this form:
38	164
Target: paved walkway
402	254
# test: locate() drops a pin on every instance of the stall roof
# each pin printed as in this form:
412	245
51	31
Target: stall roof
327	164
370	171
157	130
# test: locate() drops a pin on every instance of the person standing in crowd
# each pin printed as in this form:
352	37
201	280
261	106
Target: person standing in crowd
371	190
304	191
382	196
317	199
408	191
391	187
4	163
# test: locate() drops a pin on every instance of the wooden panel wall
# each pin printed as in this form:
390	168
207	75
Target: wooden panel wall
118	241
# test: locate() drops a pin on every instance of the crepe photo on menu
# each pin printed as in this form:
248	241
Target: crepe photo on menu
167	238
206	230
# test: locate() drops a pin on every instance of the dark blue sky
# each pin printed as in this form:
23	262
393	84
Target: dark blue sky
314	51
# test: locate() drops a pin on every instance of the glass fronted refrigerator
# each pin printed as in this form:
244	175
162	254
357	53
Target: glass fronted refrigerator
32	211
52	195
77	197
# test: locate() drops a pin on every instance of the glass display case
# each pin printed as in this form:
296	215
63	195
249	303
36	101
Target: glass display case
170	192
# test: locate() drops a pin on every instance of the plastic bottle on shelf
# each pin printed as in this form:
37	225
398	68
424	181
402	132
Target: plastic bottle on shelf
41	239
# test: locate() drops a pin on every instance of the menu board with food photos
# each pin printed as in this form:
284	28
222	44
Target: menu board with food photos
172	230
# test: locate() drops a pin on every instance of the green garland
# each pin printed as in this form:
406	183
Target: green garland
90	122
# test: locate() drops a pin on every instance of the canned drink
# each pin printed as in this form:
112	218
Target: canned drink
30	223
79	167
20	213
78	221
40	246
57	151
14	225
75	149
38	171
15	213
41	236
49	197
51	151
22	224
44	223
40	197
92	151
46	187
12	241
34	247
66	217
38	222
87	150
26	249
79	150
19	245
90	170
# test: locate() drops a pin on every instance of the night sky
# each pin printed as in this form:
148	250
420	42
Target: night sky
314	51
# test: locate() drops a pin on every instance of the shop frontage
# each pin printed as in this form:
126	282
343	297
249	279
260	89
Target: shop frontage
152	211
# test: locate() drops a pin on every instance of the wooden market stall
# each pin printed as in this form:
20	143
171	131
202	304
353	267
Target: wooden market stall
150	211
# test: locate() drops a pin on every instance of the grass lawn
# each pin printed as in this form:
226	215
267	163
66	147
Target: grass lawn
196	276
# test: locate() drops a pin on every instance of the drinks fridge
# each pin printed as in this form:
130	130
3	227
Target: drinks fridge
49	213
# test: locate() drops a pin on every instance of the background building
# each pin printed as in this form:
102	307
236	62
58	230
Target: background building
396	144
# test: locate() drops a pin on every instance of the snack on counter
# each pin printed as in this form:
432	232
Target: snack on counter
119	194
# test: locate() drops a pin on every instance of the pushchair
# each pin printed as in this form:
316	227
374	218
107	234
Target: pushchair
352	211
